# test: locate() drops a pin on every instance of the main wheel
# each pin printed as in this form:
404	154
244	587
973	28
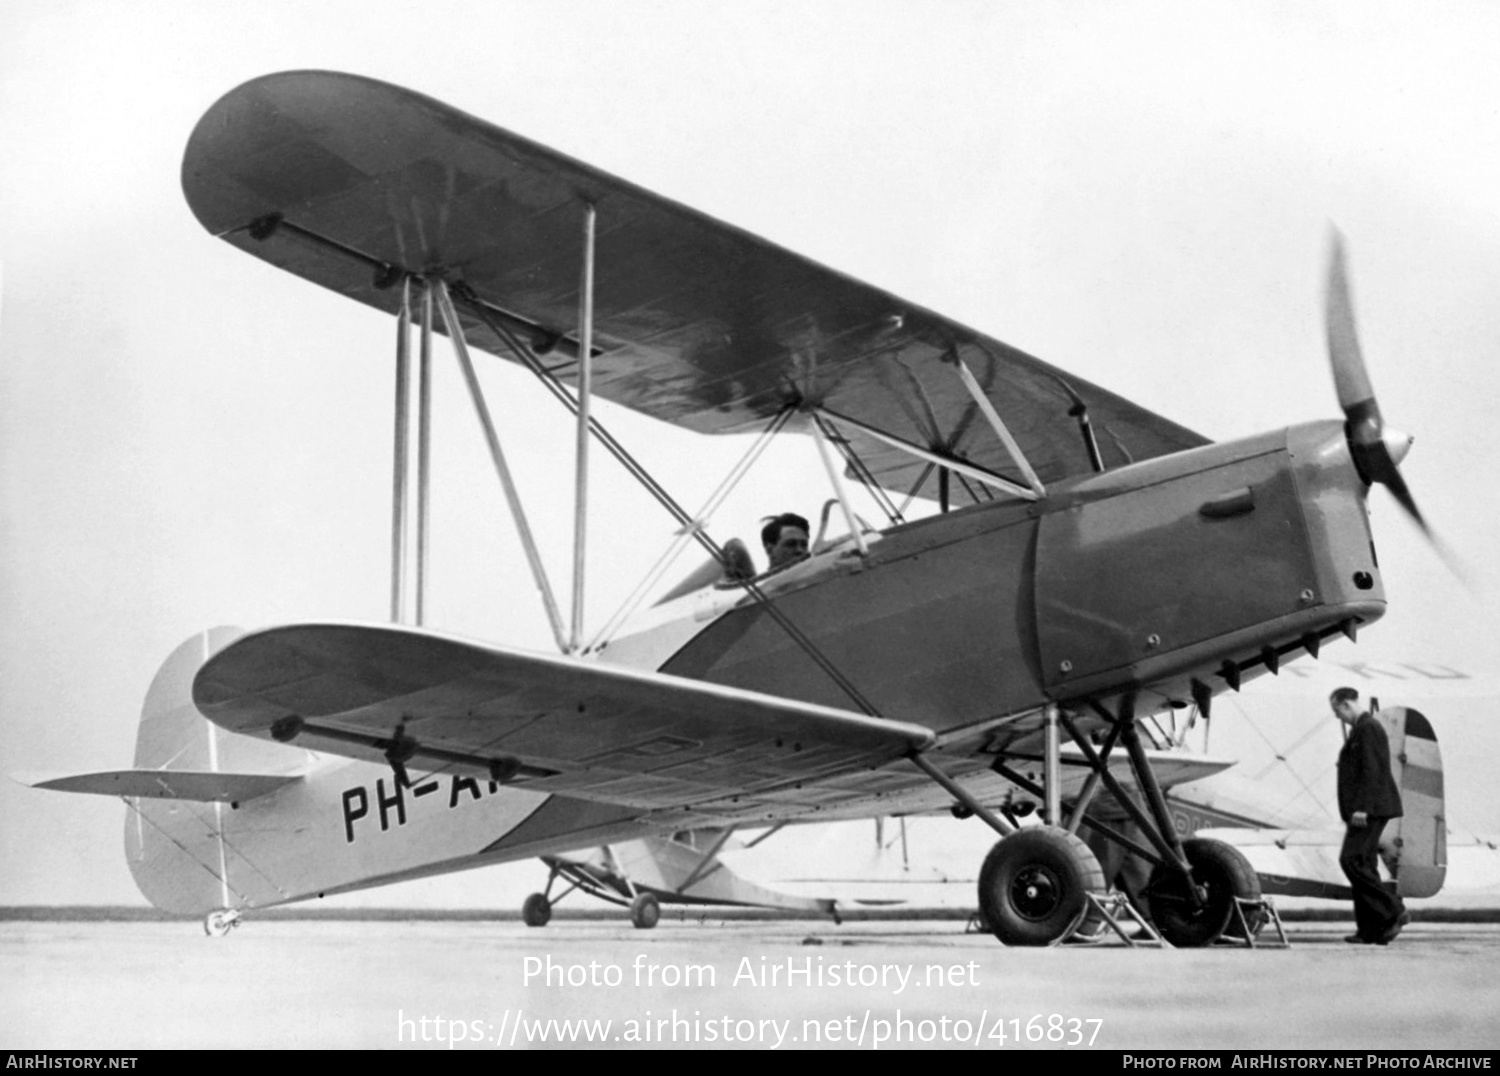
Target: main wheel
1220	874
536	911
1034	886
644	911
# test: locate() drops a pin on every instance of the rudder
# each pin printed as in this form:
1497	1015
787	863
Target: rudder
1415	846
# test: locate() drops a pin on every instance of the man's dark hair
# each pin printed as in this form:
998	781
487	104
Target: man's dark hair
770	534
1343	694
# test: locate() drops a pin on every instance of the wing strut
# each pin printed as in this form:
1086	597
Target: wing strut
401	471
581	453
820	435
988	409
424	450
528	358
690	531
860	471
497	456
980	474
408	602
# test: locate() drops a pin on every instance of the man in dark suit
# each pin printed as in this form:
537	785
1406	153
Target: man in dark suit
1368	799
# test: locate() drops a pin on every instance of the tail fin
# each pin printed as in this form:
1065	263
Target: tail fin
1415	846
173	735
179	755
174	839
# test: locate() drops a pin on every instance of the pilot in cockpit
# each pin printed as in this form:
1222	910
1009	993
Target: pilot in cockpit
785	540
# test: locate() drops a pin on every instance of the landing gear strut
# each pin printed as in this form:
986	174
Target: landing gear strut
1036	884
536	910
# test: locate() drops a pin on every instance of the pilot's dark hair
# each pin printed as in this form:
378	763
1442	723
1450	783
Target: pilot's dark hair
1343	694
770	534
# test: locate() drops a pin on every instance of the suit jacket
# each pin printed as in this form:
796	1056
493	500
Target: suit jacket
1365	780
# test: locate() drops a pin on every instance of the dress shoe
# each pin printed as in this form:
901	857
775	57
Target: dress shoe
1357	939
1389	934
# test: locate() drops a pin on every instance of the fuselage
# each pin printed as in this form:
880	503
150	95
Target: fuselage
1142	579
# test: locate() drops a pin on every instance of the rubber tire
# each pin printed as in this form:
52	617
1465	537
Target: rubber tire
1223	873
1034	883
536	911
645	911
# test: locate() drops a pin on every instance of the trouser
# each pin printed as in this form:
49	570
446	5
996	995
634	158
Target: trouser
1123	869
1376	907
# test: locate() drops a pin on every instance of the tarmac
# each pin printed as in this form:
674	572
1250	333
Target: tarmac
704	982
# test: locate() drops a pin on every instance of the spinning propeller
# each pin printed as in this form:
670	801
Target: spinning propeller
1377	450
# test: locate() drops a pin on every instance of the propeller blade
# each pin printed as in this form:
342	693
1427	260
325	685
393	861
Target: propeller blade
1376	451
1351	381
1383	469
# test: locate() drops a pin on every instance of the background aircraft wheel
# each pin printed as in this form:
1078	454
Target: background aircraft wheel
1034	883
1221	874
218	924
644	911
536	911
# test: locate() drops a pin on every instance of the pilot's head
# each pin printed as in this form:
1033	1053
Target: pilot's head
785	539
1345	704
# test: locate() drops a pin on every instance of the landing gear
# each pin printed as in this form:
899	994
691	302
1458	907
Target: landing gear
645	911
1220	875
1043	885
219	923
1034	886
536	910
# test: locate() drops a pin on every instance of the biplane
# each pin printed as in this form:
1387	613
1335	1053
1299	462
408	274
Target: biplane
1089	561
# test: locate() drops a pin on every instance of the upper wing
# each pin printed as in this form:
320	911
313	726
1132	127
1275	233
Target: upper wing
559	724
333	177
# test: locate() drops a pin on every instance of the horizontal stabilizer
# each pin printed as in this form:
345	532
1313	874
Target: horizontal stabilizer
200	785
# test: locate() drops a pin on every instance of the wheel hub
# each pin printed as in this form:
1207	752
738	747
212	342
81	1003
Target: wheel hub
1035	892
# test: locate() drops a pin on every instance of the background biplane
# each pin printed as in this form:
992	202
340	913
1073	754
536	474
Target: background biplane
1276	805
1125	565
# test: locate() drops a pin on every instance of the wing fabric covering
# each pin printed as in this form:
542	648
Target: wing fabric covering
563	725
696	322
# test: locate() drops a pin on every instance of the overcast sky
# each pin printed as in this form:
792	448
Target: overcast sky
1137	193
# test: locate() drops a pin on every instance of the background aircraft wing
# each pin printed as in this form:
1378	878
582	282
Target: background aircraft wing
1291	863
555	724
336	178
